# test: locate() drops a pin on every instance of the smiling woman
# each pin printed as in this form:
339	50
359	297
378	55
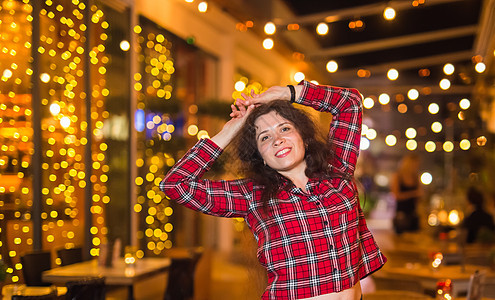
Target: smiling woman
298	197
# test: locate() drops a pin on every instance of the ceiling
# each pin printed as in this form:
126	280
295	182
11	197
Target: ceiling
428	35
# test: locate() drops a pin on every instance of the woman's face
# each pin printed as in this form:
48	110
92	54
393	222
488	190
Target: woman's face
279	143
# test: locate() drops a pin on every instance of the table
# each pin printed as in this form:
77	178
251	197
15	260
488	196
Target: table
428	277
119	274
21	289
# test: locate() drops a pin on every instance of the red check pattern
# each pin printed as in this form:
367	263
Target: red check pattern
312	243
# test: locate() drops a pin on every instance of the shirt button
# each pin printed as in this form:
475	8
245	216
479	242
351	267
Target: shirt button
317	202
325	222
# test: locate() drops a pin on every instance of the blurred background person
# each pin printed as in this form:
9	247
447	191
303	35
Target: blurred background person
406	188
479	224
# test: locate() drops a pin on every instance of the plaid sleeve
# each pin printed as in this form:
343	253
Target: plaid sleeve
183	183
344	135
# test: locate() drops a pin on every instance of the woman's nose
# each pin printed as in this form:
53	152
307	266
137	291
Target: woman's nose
279	141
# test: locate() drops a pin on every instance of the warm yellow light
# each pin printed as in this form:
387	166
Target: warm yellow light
448	69
45	77
371	134
268	43
448	146
480	67
270	28
411	145
125	45
299	76
436	127
65	122
203	6
465	144
481	141
55	109
392	74
454	217
192	129
322	28
202	134
384	99
411	133
332	66
464	103
413	94
390	140
444	84
430	146
240	86
426	178
368	102
389	13
433	108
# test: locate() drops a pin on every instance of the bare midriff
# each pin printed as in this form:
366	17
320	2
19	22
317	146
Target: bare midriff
354	293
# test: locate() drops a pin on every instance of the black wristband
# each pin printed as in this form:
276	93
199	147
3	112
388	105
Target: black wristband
292	93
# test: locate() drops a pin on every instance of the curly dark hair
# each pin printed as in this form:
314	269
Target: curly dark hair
317	153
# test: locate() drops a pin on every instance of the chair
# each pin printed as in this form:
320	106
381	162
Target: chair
33	264
51	296
92	288
70	256
181	276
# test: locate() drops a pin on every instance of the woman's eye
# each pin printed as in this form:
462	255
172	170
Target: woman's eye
284	129
264	138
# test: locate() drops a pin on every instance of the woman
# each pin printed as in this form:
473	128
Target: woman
299	200
406	188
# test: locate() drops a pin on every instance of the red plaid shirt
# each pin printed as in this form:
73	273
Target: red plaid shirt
313	243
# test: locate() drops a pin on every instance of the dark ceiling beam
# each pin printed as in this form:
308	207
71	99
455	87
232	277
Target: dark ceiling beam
365	10
415	63
395	42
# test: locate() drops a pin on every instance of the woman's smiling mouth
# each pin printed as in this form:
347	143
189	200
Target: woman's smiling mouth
283	152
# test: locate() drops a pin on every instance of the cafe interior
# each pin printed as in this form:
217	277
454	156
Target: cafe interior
100	98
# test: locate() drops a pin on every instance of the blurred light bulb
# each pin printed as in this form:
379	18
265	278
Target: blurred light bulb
426	178
413	94
268	43
480	67
389	13
384	99
322	28
332	66
125	45
444	84
270	28
393	74
433	108
448	69
464	103
203	6
299	76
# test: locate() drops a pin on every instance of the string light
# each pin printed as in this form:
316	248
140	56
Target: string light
480	67
270	28
322	28
203	7
393	74
332	66
299	76
448	69
268	44
389	13
413	94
